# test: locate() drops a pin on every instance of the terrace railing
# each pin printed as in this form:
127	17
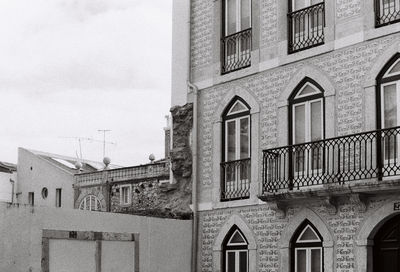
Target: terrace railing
373	154
386	12
236	51
235	179
306	27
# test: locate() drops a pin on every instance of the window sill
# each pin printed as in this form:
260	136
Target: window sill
374	33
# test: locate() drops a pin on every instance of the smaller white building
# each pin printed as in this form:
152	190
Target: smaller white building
8	178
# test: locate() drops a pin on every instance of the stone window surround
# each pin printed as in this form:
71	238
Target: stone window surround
290	230
364	239
84	193
97	237
370	84
129	186
247	232
255	148
330	102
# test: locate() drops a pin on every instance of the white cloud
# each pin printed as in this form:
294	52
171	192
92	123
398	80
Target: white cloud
69	68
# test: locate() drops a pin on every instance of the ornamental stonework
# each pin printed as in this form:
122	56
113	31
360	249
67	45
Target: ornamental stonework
201	36
347	8
269	23
268	231
345	68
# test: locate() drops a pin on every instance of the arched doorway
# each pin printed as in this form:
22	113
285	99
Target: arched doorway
387	246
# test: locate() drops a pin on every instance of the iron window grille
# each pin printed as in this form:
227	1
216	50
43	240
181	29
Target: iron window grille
236	162
236	51
386	12
306	27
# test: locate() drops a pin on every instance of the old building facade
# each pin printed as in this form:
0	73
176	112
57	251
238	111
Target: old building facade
297	134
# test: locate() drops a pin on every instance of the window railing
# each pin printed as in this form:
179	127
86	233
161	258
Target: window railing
387	12
235	179
339	160
236	51
306	27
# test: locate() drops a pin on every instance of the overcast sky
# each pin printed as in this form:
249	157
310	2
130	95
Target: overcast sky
71	67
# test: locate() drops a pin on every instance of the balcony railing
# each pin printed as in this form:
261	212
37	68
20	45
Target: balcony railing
339	160
124	174
387	12
235	180
306	27
236	51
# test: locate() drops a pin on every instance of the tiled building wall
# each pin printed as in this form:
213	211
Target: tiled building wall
268	230
346	68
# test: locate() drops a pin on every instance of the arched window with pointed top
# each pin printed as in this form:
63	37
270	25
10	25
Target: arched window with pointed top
235	166
306	249
236	254
306	125
388	110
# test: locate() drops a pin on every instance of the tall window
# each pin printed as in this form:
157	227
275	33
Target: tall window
31	198
236	153
307	21
91	203
307	124
307	251
125	194
389	99
236	42
236	254
58	197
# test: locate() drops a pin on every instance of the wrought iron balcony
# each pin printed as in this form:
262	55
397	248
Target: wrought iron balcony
306	27
387	12
235	177
236	51
339	160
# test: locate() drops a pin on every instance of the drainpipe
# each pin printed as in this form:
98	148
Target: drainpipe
12	190
194	178
194	89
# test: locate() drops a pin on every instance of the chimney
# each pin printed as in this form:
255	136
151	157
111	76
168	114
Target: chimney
167	136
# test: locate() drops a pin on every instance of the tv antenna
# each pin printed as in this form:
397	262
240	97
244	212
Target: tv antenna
104	131
79	140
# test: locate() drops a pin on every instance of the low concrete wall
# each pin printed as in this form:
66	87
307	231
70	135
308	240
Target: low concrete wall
164	244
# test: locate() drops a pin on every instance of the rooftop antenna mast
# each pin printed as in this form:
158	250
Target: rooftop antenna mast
104	131
79	139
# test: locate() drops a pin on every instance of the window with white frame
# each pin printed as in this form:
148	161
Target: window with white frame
236	153
236	254
125	194
307	250
307	122
90	203
236	42
389	96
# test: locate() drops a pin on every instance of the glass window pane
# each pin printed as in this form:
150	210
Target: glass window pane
308	89
396	68
308	235
315	260
237	239
244	138
243	261
300	125
390	106
231	141
230	262
245	14
238	107
299	4
231	16
301	260
316	125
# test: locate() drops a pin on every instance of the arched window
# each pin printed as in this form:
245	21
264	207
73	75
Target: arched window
91	203
307	251
306	125
236	254
387	246
236	151
388	111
